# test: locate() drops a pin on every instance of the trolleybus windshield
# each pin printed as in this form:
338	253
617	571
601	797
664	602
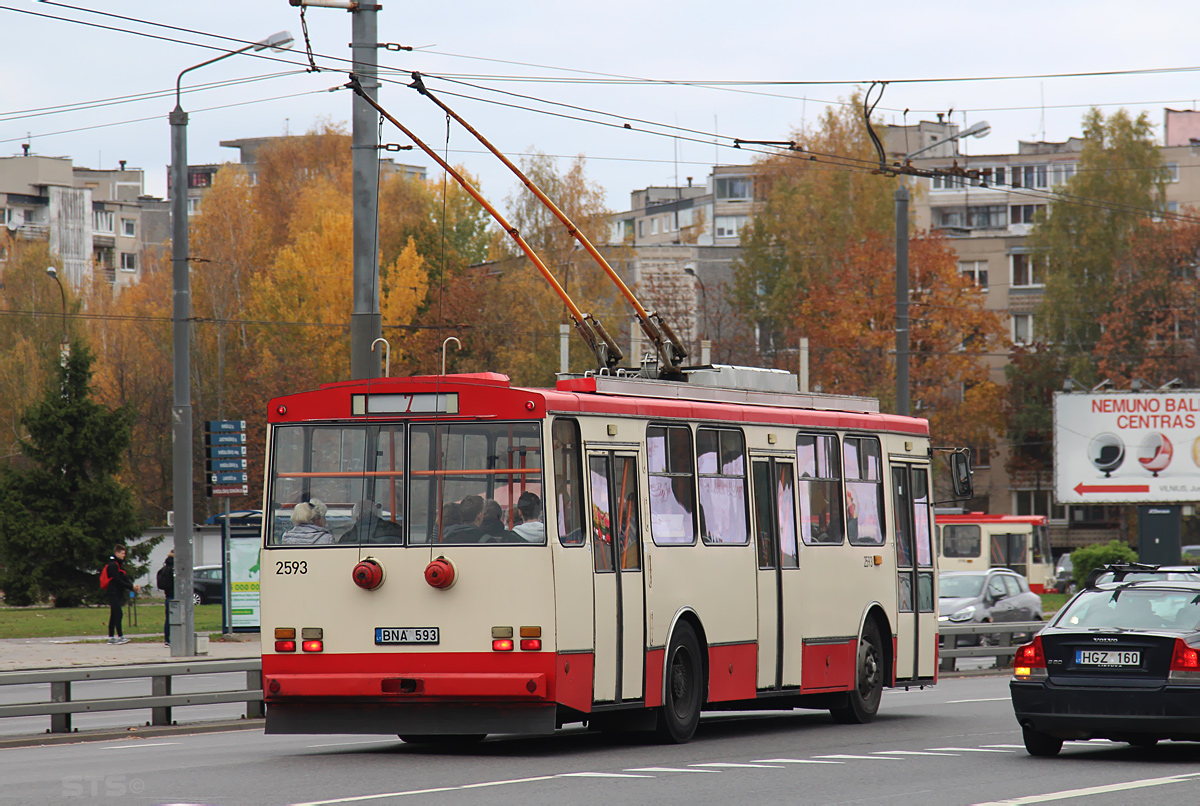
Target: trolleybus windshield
420	483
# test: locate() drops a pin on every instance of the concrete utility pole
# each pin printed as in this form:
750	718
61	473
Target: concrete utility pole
902	299
366	324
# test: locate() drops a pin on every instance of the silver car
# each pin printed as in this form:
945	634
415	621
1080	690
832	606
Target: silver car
985	597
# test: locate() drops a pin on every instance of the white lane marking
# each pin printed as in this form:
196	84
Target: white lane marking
1007	746
981	699
382	795
795	761
910	753
599	775
138	744
1094	790
969	749
347	744
732	764
665	769
848	755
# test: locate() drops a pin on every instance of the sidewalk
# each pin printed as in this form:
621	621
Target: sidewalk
58	653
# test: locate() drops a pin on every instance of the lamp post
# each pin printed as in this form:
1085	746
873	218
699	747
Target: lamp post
980	129
183	636
705	344
65	347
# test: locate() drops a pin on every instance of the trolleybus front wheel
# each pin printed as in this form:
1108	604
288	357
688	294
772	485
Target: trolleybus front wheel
862	702
680	714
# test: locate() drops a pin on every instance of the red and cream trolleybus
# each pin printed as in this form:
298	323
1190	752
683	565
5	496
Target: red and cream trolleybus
977	540
451	556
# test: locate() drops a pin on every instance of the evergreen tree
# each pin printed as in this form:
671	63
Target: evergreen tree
63	508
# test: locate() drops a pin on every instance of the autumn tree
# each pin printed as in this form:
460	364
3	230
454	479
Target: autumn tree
1085	232
813	203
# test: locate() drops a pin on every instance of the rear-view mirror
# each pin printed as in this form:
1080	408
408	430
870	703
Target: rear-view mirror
960	475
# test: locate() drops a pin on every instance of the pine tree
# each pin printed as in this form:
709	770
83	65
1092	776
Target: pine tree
63	508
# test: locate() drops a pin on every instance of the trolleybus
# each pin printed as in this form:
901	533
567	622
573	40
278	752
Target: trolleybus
975	540
481	558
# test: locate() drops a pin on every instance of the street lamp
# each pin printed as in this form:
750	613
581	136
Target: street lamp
980	129
65	348
705	344
184	645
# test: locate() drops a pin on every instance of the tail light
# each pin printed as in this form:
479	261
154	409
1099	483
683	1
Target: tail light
531	644
1185	664
502	645
1030	661
285	646
313	646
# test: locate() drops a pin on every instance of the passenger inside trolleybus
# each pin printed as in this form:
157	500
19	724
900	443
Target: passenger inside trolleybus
369	527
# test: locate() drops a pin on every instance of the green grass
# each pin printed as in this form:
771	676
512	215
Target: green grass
1053	602
53	622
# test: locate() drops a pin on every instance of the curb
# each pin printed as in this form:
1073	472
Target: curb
145	732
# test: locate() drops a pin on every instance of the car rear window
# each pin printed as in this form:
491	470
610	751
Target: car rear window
1134	609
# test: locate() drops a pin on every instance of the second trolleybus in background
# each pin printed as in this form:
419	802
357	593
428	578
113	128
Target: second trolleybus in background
451	556
978	541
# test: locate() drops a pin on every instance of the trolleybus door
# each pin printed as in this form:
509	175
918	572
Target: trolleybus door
916	629
775	537
617	581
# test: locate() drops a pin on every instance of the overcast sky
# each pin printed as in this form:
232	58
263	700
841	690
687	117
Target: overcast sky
48	64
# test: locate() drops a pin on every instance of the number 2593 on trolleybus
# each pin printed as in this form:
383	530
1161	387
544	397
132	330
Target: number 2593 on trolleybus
451	556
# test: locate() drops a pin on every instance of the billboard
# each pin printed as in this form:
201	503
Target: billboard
1127	447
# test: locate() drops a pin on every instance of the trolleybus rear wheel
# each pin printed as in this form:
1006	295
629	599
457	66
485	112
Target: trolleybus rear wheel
680	714
862	702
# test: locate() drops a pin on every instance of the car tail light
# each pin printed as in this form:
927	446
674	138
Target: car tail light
502	645
285	646
313	646
531	644
1030	661
1185	664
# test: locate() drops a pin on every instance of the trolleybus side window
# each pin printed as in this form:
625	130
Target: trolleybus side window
351	469
721	466
568	477
458	468
961	540
672	485
864	491
820	485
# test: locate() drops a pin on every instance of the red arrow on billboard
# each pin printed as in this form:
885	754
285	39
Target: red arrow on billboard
1083	489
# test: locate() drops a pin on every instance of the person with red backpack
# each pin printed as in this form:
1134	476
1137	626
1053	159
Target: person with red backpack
116	583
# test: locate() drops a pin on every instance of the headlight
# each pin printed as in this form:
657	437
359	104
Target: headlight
966	614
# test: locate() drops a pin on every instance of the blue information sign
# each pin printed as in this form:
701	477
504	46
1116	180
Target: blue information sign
237	438
226	451
225	425
225	465
229	478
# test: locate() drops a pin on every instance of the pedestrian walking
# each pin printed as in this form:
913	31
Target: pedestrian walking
117	585
166	584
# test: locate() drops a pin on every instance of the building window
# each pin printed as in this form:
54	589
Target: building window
999	174
981	456
728	226
1061	172
976	271
1172	171
735	188
1026	270
1038	502
654	226
129	227
128	261
986	216
641	228
1024	213
102	221
199	179
1030	176
193	206
1022	328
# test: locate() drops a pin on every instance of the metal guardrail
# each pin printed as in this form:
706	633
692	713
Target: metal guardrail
61	706
1001	645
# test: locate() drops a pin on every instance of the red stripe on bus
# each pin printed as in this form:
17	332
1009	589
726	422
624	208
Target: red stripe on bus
573	686
828	667
654	677
414	685
732	669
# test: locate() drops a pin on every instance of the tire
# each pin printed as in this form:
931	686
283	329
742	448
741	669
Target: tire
1040	744
680	714
1145	742
197	599
442	739
862	703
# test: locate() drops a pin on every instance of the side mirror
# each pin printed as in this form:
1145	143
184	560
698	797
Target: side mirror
960	475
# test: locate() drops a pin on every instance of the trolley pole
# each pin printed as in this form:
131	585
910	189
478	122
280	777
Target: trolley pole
366	324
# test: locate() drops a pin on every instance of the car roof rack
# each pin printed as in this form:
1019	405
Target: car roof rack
1120	570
